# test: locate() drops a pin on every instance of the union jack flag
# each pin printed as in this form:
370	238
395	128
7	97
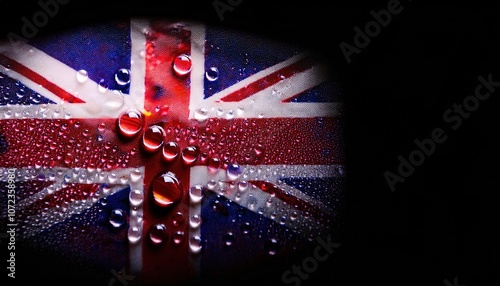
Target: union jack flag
168	151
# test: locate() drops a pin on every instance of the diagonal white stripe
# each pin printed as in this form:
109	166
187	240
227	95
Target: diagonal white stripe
98	103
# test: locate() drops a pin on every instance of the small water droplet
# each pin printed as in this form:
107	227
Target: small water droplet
178	237
170	151
195	244
117	218
213	164
152	138
195	221
135	175
136	197
166	189
130	123
246	227
190	154
82	76
243	186
122	77
178	219
134	234
102	86
272	246
228	238
182	65
158	234
196	193
212	74
233	171
201	114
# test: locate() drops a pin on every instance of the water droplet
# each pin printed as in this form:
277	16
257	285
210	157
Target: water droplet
82	76
212	74
157	234
246	227
135	175
228	238
136	197
153	137
182	64
134	234
213	164
211	185
170	151
178	237
243	186
190	154
122	77
102	86
178	219
272	246
196	193
114	101
201	114
68	159
233	171
117	218
195	221
130	123
166	189
195	244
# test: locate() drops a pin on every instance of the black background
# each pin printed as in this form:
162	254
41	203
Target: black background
443	221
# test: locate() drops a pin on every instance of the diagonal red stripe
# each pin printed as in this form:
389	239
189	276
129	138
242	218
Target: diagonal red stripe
37	78
267	81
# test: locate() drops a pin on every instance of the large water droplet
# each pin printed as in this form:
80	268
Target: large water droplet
170	151
166	189
130	123
152	138
196	193
82	76
182	64
122	77
117	218
158	234
190	154
212	74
